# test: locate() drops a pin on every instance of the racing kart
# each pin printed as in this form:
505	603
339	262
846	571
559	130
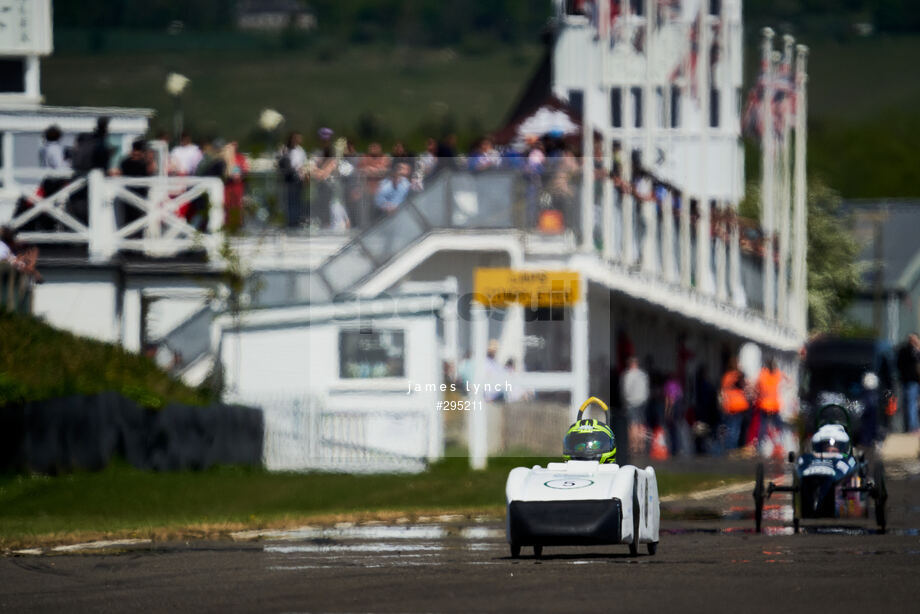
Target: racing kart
830	481
582	502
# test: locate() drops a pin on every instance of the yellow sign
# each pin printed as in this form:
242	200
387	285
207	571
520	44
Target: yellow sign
503	287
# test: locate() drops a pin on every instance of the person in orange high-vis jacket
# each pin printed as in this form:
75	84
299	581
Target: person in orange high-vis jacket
768	398
734	403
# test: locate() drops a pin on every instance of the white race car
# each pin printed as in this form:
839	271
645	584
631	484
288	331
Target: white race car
586	500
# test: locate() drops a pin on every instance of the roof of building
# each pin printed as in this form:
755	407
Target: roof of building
550	115
537	90
898	222
33	109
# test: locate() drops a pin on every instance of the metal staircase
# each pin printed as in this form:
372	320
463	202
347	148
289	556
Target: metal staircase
452	201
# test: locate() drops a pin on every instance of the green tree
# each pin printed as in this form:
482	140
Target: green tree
833	271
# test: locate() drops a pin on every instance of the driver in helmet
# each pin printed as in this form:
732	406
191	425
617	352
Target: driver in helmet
589	439
831	439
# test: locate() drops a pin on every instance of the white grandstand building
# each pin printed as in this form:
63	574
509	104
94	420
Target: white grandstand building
335	329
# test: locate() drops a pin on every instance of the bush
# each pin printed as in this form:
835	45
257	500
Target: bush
39	362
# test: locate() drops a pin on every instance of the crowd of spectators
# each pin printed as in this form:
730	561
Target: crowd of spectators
337	187
95	151
684	412
741	411
211	158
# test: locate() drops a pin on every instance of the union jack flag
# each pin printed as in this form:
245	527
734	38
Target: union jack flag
687	66
782	105
783	98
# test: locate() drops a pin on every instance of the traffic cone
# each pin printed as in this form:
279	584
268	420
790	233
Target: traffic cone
659	450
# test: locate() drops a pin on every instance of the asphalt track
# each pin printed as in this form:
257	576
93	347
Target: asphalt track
703	565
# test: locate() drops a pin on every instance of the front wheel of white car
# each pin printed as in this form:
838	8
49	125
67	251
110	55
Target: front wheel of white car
652	548
515	551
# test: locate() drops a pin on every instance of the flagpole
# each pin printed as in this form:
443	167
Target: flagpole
739	297
767	177
703	225
783	310
667	204
686	255
607	153
800	246
628	118
722	202
587	161
648	208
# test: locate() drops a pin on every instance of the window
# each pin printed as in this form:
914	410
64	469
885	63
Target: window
616	107
637	106
547	339
577	101
660	106
739	101
26	146
370	353
714	108
675	106
715	7
12	76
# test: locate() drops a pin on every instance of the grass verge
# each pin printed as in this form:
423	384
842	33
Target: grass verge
125	502
39	362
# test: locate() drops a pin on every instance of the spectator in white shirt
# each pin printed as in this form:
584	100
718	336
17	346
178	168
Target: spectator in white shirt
185	157
634	387
51	154
6	249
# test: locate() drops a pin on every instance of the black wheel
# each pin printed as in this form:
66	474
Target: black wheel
515	551
634	546
538	552
758	498
652	548
881	497
796	501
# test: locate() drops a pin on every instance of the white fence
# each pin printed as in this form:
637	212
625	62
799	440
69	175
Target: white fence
158	216
301	434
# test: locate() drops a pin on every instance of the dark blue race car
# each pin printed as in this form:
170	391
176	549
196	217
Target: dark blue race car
832	480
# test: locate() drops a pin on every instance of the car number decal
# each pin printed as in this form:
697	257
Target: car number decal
819	470
568	483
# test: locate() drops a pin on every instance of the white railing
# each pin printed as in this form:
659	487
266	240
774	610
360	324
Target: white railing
70	229
302	434
159	216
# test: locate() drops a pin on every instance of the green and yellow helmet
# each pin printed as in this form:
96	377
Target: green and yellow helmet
589	439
